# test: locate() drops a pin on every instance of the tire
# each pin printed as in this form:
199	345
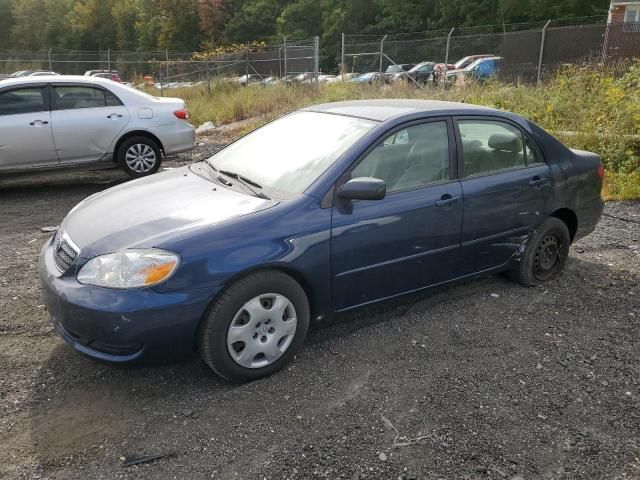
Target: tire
255	327
139	156
545	254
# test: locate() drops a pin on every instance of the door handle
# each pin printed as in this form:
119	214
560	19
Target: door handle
536	181
447	200
114	115
39	122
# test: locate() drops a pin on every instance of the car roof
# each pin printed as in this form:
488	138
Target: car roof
384	109
55	79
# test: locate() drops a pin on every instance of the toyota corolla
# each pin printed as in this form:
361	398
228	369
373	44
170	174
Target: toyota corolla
326	209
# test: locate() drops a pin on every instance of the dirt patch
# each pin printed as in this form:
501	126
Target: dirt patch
527	383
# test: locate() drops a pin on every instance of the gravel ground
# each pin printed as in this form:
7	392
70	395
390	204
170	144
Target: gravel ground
482	380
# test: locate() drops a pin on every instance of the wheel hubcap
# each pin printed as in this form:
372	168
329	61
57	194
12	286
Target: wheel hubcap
140	158
547	257
262	330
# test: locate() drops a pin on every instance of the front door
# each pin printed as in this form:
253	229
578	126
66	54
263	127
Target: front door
86	120
25	129
507	191
410	239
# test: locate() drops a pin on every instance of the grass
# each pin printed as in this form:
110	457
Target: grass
585	108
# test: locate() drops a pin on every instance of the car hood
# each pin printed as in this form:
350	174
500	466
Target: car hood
455	72
145	213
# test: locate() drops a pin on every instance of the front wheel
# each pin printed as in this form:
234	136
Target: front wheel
255	327
545	254
139	156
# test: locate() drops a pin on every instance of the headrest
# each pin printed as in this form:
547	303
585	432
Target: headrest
505	142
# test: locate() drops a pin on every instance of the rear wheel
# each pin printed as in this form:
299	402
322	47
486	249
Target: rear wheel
255	327
139	156
545	255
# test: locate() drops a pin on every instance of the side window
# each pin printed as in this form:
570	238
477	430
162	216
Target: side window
533	154
112	100
23	100
72	97
410	158
490	146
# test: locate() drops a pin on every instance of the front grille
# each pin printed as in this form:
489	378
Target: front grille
64	253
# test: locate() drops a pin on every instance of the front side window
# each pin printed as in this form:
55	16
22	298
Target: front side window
75	97
289	154
490	146
22	100
409	158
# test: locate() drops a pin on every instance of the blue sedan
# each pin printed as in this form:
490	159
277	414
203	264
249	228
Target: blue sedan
324	210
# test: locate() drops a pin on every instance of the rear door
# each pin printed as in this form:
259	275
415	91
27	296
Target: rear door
25	129
86	120
507	190
409	239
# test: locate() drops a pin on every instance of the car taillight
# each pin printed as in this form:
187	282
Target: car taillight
182	114
601	171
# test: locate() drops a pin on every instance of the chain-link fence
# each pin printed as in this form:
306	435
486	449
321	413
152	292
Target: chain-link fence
291	60
521	52
287	61
75	62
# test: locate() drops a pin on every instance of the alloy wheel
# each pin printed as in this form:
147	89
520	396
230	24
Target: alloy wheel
140	158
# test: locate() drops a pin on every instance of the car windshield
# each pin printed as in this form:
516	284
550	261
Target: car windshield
422	67
475	64
462	63
394	69
289	154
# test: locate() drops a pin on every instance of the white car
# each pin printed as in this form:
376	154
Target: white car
77	121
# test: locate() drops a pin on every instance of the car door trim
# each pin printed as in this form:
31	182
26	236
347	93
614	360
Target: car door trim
398	260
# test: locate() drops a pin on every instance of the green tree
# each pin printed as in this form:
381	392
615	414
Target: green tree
300	19
255	20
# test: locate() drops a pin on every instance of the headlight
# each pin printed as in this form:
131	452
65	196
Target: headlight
129	268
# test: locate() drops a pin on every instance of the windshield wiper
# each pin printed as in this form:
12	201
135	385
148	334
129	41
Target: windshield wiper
219	178
247	182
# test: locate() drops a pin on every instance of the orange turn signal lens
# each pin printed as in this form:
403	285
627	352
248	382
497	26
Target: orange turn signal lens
157	273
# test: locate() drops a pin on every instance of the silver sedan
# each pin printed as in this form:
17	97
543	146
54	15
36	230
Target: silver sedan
72	121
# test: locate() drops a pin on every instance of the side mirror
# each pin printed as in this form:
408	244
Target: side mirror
363	188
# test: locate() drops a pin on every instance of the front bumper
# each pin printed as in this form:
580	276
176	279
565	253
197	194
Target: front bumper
121	325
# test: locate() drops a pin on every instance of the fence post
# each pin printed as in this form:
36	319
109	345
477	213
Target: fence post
166	59
342	65
316	54
544	36
446	57
108	60
49	57
381	54
246	68
284	46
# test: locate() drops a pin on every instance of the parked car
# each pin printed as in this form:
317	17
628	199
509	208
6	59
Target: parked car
21	73
115	77
481	70
399	68
421	74
41	73
440	69
392	71
248	79
324	210
72	121
369	77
